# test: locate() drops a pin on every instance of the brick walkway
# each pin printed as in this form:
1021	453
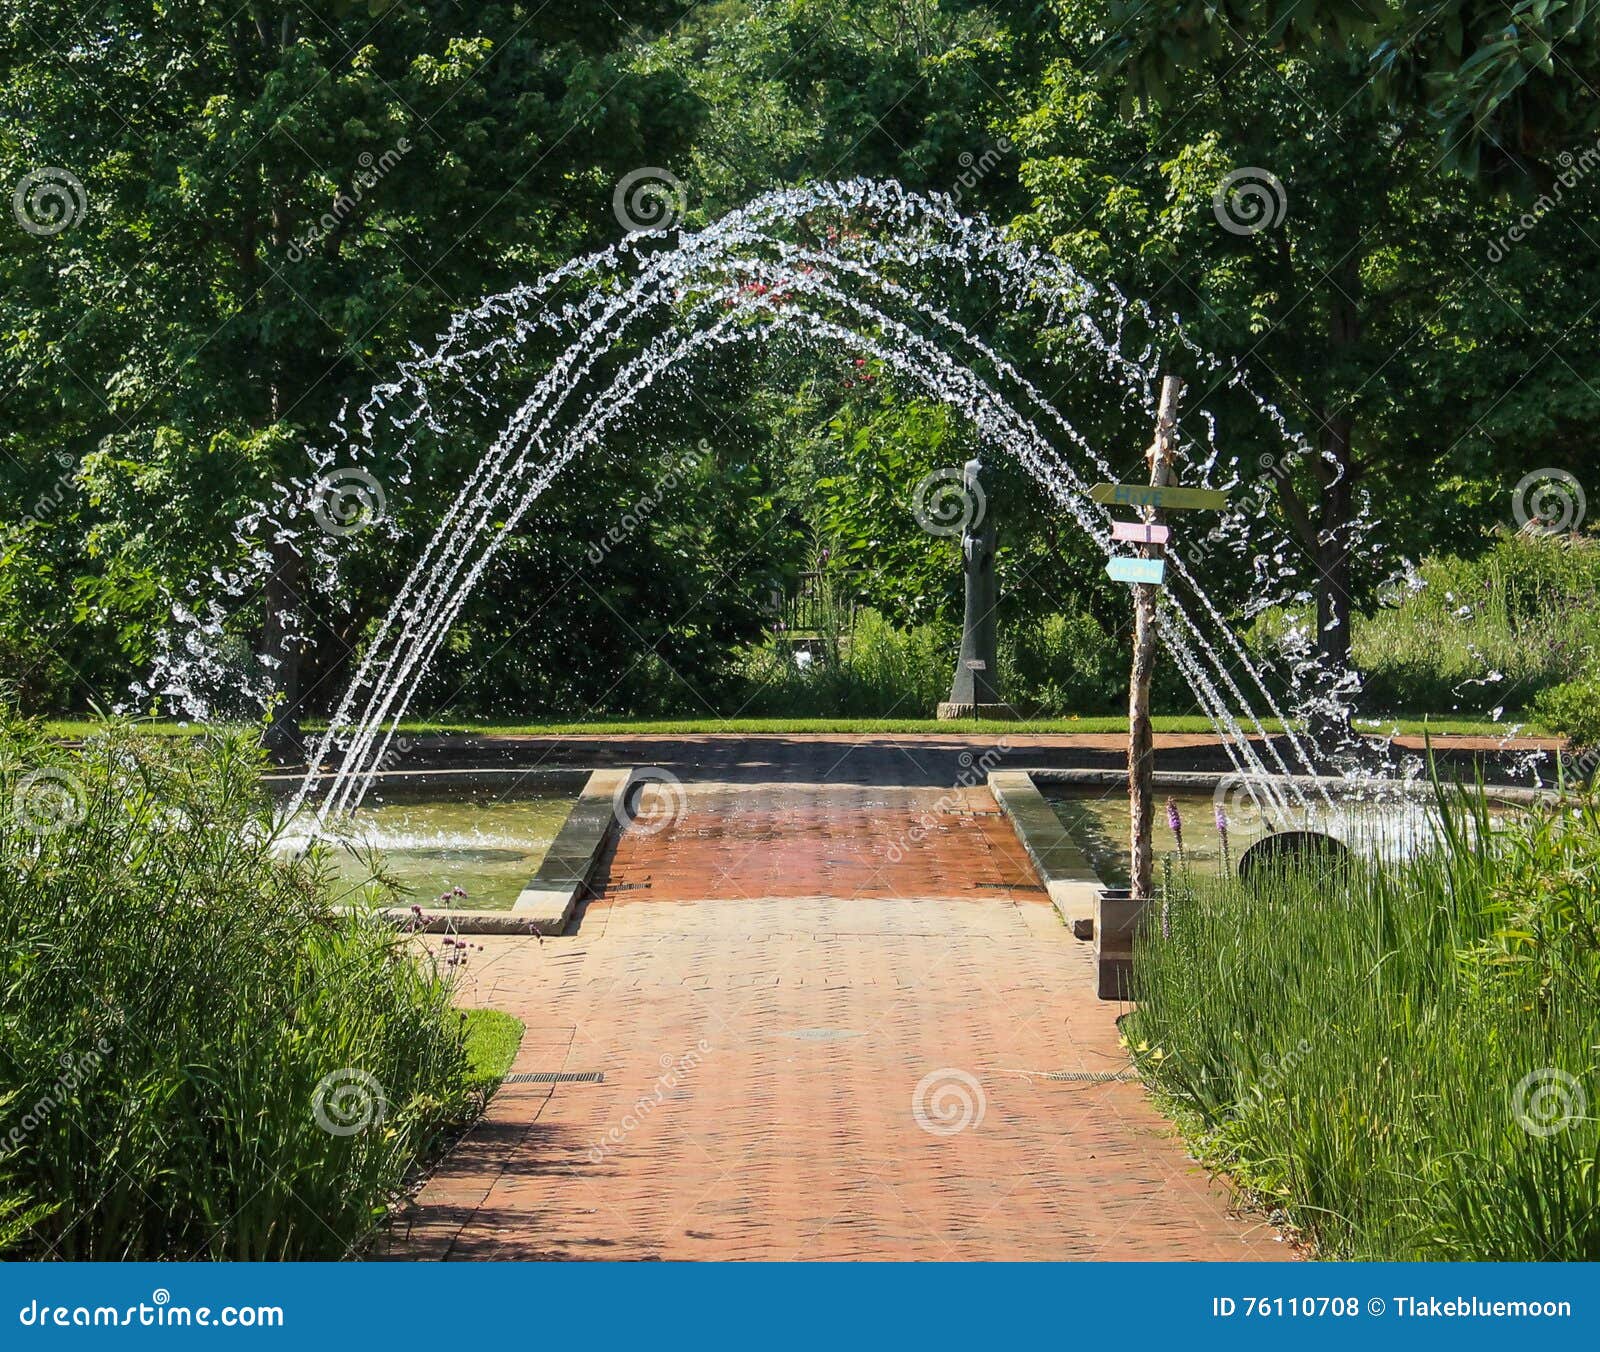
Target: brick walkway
824	1015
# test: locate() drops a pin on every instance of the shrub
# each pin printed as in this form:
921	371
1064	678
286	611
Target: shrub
898	671
874	671
1573	710
188	1034
1402	1058
1064	664
1527	609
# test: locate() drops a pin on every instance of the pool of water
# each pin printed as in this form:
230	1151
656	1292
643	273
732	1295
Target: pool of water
1098	822
484	842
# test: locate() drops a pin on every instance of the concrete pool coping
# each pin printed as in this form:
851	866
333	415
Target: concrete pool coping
1057	858
1182	781
548	899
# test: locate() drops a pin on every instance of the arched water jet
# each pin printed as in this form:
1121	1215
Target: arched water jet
672	288
997	421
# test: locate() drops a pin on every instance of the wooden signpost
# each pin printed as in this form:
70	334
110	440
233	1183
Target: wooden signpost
1118	915
1145	572
1141	745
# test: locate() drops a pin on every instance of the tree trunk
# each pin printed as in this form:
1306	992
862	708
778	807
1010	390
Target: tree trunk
281	647
1333	542
1336	474
283	598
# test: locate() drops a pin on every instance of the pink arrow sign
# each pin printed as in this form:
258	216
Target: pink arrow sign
1139	532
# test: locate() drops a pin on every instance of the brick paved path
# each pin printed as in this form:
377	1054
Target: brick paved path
823	1015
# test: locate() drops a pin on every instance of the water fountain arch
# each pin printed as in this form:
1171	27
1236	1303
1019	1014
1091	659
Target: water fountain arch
827	266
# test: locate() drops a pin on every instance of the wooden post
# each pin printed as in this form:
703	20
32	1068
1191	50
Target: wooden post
1141	751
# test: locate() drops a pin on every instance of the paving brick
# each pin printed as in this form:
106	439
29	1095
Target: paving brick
766	984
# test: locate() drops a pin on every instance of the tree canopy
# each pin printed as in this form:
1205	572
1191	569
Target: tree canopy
231	222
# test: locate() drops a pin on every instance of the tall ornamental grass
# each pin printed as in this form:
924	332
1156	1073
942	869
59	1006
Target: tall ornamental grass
197	1059
1404	1059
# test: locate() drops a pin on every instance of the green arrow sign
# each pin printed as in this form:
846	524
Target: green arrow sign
1147	495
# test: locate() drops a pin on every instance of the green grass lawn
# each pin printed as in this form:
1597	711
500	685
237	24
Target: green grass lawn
492	1042
695	727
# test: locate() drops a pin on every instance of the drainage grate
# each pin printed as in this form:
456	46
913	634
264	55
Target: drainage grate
1092	1076
557	1077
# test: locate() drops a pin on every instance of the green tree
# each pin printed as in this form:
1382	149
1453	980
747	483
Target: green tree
1503	83
1348	275
812	90
276	199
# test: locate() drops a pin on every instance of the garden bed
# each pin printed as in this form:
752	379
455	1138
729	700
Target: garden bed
1402	1059
202	1058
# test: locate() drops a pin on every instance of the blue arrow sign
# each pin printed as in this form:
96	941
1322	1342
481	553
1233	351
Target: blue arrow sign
1125	569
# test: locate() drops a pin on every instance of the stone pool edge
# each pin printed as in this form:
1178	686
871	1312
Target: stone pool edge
548	899
1059	861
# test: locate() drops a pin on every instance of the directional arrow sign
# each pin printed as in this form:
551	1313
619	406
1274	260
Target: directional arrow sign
1147	495
1123	569
1139	532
